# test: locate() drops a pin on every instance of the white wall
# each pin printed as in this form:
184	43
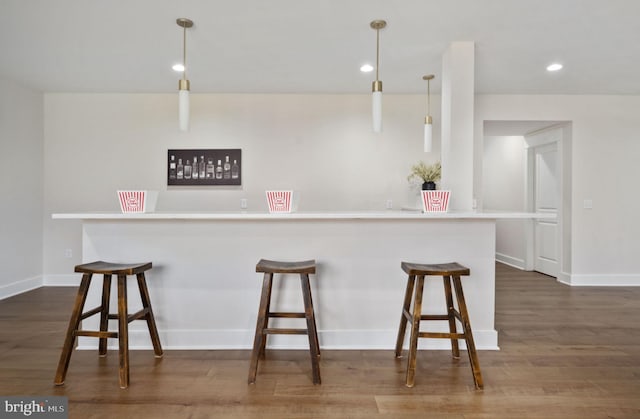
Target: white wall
21	182
602	163
504	189
322	146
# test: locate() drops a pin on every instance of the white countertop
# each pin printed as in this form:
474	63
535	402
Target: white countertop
327	215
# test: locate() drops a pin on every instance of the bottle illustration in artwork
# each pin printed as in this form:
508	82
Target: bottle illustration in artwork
211	174
172	167
227	168
187	170
219	170
179	170
201	168
194	171
235	170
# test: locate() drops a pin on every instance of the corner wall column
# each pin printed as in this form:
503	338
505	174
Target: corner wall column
458	85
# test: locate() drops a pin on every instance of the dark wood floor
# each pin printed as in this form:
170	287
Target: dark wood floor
565	353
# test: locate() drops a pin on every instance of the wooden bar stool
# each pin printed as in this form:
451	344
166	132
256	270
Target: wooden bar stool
269	267
450	272
107	270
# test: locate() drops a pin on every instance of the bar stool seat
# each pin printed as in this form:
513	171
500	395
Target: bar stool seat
269	268
451	273
121	270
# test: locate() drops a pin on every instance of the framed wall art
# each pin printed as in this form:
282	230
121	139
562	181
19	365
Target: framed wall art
204	167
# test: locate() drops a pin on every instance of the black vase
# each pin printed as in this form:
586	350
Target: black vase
429	186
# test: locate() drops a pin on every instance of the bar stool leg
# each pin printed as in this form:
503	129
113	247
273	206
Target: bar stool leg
415	331
151	320
267	316
311	327
466	327
455	349
74	322
123	331
405	312
313	315
260	326
104	313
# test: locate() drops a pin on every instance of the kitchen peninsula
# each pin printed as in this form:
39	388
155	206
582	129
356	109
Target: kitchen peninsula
205	289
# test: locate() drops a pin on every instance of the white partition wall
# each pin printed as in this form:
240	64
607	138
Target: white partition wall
21	188
205	290
458	96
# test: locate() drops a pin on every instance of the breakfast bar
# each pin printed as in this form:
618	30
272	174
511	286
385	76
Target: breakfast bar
205	289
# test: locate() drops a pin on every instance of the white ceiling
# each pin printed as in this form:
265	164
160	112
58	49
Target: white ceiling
302	46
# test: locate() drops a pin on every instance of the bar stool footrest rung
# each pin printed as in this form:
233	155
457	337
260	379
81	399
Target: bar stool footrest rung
435	317
96	334
441	335
286	331
140	315
90	313
287	315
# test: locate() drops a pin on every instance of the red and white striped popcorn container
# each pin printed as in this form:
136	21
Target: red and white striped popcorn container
279	201
137	201
435	201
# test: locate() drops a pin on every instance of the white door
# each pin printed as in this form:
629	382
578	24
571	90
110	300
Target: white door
546	200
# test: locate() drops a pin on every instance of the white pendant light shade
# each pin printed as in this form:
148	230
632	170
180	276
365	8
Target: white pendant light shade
377	112
376	86
184	84
428	136
428	121
183	109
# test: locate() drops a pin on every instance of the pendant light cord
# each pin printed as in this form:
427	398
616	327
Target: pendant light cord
377	52
428	97
428	78
184	52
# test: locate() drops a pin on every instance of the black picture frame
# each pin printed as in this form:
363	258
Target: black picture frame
221	167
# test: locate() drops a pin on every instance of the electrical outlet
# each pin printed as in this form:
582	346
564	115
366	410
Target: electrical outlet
68	253
389	204
243	203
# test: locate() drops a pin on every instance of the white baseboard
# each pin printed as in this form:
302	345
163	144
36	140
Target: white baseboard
576	280
243	339
19	287
601	280
62	280
509	260
564	278
28	284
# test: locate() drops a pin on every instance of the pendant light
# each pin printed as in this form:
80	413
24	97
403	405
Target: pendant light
376	87
183	83
428	126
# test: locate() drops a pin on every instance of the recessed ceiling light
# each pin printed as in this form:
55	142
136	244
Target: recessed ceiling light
366	68
178	67
554	67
